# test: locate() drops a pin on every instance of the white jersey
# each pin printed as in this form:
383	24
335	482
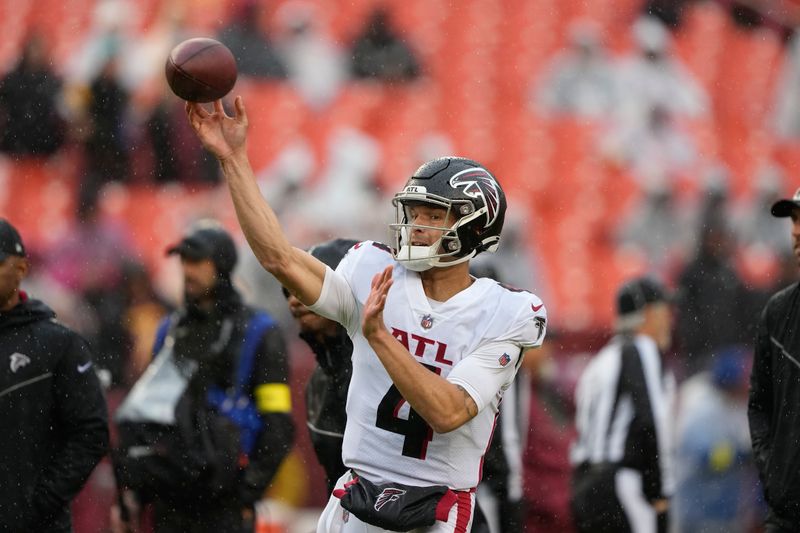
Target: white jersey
475	340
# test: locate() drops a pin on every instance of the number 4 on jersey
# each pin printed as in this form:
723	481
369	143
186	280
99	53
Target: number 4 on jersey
417	432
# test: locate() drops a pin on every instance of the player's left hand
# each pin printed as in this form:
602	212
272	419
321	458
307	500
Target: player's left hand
373	307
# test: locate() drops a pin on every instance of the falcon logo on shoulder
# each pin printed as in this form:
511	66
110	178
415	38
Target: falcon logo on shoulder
386	496
478	183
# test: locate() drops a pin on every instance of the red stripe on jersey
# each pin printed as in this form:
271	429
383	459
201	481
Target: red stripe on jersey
464	511
491	436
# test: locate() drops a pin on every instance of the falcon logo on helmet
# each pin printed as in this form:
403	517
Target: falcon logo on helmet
478	183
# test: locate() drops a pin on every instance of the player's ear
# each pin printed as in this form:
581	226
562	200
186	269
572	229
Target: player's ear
21	267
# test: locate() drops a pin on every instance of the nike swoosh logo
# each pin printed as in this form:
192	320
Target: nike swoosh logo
536	307
84	367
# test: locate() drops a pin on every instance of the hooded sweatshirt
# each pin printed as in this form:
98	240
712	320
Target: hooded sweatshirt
53	421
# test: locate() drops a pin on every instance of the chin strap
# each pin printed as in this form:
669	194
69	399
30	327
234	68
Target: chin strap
417	258
422	258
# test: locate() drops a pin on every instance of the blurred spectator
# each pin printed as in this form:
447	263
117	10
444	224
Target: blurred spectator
657	152
111	35
669	12
786	118
317	65
29	120
580	80
142	56
545	459
106	147
141	315
657	228
651	76
378	52
757	227
717	479
714	305
255	54
344	197
163	140
89	261
161	149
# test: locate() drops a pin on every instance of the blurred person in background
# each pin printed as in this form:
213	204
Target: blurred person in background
579	81
623	475
657	228
717	480
550	422
143	312
326	390
208	336
106	147
379	53
30	123
714	303
652	76
112	33
256	55
54	421
88	260
317	65
774	404
756	227
658	152
786	106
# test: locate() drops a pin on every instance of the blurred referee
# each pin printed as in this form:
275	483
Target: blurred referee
622	458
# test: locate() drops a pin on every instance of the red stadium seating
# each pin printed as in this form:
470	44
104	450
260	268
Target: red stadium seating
481	59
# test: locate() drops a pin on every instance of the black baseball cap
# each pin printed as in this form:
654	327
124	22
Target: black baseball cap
207	239
636	294
783	208
10	241
332	252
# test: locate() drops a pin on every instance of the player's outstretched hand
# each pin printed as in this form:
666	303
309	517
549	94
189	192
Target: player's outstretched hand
221	134
373	307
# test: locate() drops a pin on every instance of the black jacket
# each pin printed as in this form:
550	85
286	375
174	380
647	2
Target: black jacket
774	407
53	421
326	391
202	336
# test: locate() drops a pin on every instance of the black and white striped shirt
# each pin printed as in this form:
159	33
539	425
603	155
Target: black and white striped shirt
624	413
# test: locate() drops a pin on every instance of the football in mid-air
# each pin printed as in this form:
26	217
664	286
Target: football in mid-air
201	70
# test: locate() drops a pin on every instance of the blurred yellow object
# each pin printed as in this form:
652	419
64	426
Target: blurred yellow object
721	457
290	484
